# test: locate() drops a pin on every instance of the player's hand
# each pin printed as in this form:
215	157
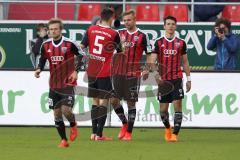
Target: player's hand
145	74
73	77
37	73
158	79
188	86
219	35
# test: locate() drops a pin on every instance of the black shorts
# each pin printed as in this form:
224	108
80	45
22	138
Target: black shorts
126	88
100	87
59	97
170	91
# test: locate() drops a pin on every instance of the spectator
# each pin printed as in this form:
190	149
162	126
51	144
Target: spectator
207	13
95	20
37	42
226	44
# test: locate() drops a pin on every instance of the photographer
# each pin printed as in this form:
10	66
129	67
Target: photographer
226	44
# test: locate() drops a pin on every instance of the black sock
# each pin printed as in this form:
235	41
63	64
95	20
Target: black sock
102	116
131	119
59	124
71	120
177	122
120	112
165	119
94	114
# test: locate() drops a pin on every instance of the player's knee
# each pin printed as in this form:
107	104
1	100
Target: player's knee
131	104
164	115
115	102
57	113
67	112
58	119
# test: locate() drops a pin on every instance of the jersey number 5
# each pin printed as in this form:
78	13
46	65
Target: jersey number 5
97	44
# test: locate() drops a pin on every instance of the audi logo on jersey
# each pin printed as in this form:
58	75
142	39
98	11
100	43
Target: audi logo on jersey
169	52
56	59
128	44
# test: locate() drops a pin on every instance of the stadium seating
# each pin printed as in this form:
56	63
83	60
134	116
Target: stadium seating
178	11
31	11
148	12
128	7
87	11
232	12
66	11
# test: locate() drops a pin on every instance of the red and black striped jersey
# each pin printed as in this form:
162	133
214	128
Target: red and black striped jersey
60	55
169	57
102	42
134	45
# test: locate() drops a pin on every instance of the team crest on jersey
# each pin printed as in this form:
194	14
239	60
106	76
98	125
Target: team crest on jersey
136	38
177	44
64	50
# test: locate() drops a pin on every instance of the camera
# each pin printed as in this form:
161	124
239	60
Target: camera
221	30
116	23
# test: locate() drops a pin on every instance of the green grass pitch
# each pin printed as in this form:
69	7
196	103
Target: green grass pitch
36	143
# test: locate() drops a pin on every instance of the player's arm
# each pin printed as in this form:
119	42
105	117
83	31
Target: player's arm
78	56
118	45
151	61
84	42
148	50
42	62
186	67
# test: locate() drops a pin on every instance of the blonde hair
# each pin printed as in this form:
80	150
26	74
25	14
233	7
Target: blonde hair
131	11
56	20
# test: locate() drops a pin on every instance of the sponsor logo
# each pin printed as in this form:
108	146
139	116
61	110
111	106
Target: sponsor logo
49	50
56	59
50	102
97	58
169	52
128	44
10	30
2	56
132	95
159	96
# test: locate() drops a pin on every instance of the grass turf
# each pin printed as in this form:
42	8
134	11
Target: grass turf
30	143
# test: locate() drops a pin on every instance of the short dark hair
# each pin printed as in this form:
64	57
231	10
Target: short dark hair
106	14
40	26
56	20
171	18
224	21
